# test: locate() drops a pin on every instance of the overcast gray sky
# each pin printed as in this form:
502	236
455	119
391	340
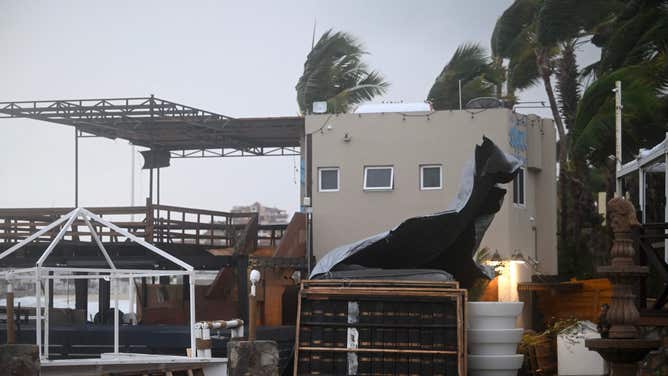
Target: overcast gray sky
235	58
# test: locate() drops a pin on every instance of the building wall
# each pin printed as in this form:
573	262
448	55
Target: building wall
406	142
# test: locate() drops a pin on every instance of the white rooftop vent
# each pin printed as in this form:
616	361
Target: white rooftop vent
374	108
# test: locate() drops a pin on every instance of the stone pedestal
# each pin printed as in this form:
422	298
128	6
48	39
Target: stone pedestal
19	360
256	358
623	354
623	349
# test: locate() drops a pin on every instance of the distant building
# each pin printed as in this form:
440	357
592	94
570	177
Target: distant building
267	215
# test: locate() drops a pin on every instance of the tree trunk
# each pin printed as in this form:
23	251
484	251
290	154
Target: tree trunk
542	60
545	73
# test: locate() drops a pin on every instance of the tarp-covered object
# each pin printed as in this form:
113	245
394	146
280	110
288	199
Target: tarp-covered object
446	240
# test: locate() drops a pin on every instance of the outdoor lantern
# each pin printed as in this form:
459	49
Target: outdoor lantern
496	259
518	257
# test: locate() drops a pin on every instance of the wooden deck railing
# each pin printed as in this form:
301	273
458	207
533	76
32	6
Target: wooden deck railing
155	223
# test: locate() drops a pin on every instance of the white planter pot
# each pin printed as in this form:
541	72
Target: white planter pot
492	315
493	338
494	342
494	365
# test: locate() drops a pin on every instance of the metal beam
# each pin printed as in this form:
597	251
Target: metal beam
157	123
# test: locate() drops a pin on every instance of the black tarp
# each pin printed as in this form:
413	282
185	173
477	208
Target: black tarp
445	240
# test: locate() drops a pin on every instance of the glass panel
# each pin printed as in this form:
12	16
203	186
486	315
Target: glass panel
379	178
630	186
329	180
655	198
431	177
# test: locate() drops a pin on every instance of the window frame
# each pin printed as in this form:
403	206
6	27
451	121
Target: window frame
440	177
521	203
338	179
378	167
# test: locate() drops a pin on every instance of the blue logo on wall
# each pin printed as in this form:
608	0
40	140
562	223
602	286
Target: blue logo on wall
518	139
518	142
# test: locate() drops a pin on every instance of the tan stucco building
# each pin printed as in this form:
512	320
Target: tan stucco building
366	173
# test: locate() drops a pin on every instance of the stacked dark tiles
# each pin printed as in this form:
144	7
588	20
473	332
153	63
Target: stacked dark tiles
388	324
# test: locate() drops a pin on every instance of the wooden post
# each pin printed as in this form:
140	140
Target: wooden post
81	295
242	270
144	292
148	232
11	333
104	299
252	316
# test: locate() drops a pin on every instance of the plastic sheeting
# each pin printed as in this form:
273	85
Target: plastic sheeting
445	240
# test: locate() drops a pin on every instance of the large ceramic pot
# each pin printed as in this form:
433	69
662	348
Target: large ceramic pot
494	342
495	365
493	338
493	315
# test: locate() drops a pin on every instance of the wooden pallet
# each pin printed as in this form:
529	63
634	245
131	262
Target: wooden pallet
384	327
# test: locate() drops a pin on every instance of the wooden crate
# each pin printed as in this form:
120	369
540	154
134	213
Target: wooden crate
379	283
384	327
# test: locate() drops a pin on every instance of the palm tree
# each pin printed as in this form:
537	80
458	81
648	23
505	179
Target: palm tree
644	118
538	38
479	78
531	33
634	48
334	72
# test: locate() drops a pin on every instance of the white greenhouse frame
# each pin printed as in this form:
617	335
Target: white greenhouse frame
41	274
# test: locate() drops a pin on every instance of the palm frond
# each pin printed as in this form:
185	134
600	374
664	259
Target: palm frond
560	20
470	65
523	71
512	22
630	32
645	119
332	69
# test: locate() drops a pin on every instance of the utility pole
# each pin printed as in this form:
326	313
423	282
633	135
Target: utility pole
76	167
618	136
132	180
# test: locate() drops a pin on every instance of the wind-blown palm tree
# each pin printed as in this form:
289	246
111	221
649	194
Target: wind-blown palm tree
538	38
470	64
531	33
634	51
334	72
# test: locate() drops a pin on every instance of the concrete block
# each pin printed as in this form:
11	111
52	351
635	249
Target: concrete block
19	360
256	358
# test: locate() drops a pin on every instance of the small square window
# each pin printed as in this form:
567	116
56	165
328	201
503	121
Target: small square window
378	178
519	186
328	179
431	177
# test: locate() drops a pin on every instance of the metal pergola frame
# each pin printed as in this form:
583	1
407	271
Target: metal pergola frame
160	124
176	130
41	274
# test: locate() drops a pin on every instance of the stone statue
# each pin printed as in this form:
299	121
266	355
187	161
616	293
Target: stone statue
622	220
622	215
